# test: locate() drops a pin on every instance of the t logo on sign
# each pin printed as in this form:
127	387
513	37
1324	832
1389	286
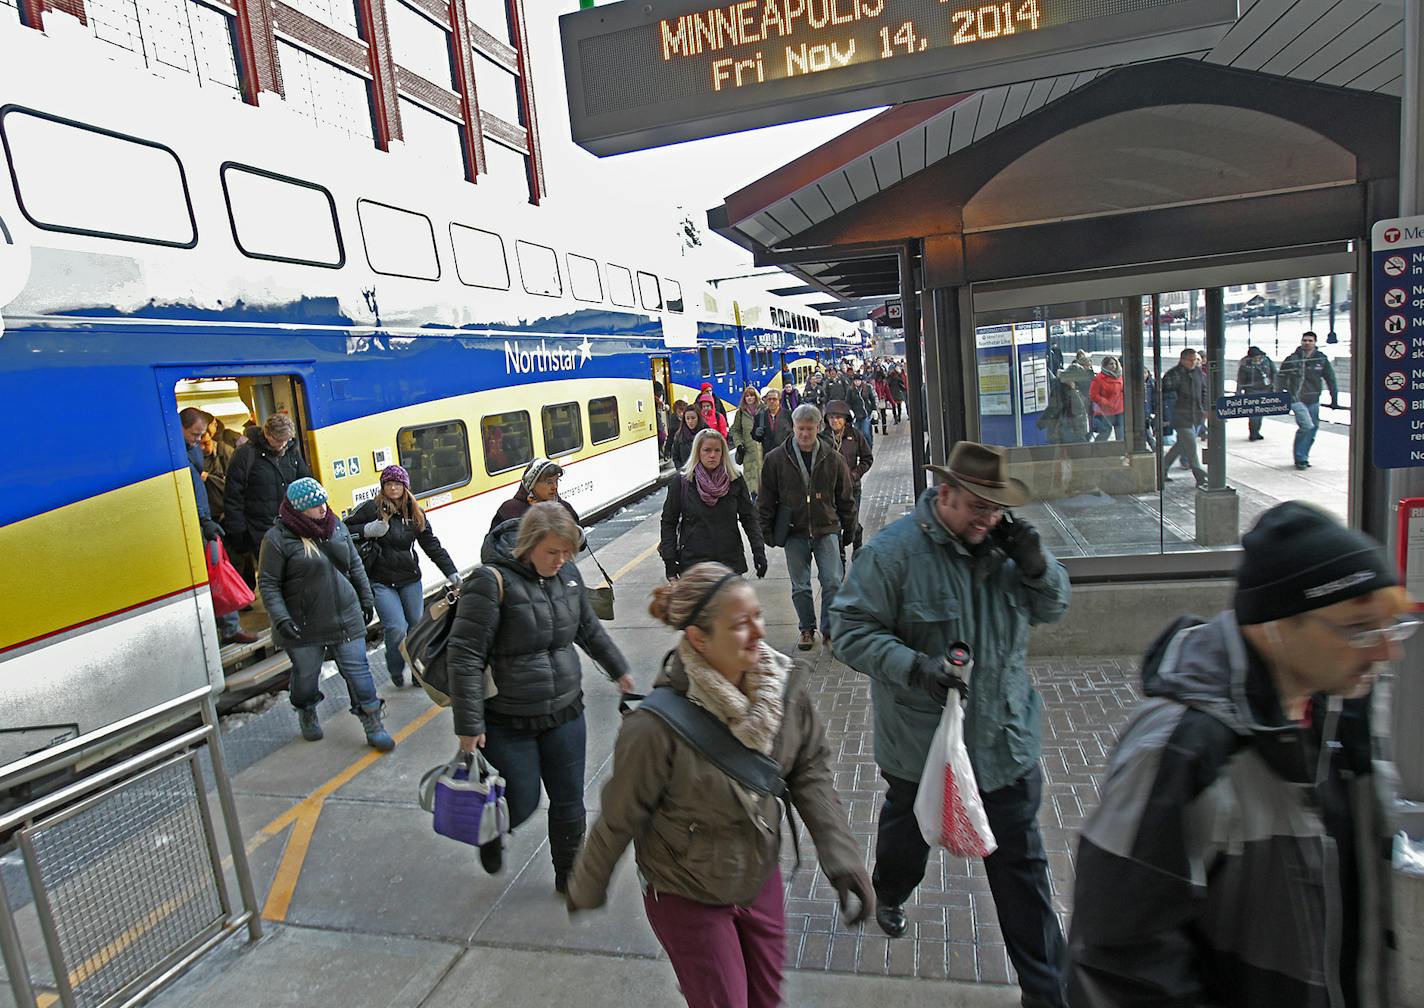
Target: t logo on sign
1391	235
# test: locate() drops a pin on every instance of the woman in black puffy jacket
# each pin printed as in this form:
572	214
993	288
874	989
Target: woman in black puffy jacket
521	615
704	503
387	528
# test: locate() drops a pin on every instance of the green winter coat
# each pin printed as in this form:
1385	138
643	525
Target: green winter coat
741	434
916	588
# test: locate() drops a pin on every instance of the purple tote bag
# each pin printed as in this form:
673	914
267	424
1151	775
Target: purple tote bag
466	796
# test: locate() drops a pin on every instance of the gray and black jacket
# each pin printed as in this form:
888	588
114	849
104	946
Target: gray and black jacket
1228	863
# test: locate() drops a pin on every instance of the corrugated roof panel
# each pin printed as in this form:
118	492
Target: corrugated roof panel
762	230
1306	44
989	111
1249	27
837	190
862	178
1380	74
1340	48
789	215
886	160
1365	58
937	136
813	203
1394	87
1278	36
912	151
1015	102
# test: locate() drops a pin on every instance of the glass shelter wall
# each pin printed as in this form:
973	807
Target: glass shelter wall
1121	434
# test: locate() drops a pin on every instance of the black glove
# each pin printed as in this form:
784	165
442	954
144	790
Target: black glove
289	629
367	612
760	564
211	529
857	883
1020	542
670	571
936	677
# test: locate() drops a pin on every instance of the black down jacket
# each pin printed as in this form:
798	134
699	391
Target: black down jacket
257	480
527	640
322	590
694	532
390	559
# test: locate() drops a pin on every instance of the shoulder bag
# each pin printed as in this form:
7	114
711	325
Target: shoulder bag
601	599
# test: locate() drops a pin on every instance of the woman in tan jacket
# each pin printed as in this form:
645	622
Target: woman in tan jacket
706	846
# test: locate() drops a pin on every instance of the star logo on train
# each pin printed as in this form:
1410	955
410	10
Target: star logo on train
585	352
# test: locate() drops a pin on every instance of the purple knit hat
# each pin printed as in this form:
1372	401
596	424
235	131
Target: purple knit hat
395	474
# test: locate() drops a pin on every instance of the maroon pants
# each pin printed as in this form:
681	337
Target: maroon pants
724	956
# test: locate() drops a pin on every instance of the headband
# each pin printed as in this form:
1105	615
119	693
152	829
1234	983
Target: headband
702	602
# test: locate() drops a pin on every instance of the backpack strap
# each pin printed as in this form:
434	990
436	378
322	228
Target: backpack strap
499	581
700	729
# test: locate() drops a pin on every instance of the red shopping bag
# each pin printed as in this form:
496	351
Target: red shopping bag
230	592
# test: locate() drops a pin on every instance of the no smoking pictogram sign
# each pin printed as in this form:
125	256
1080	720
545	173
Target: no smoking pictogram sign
1394	407
1395	349
1395	380
1395	265
1395	297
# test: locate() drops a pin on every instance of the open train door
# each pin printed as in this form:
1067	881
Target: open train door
662	389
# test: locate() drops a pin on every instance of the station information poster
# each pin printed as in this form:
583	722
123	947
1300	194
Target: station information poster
1411	548
1397	339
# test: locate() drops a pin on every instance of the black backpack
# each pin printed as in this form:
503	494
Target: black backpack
424	647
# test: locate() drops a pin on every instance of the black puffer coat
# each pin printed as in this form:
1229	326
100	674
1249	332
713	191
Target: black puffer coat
694	532
527	640
391	559
323	592
257	479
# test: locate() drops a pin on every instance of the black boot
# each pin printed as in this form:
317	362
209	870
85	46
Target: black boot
565	839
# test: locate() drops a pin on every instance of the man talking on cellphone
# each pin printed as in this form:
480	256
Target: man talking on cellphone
960	567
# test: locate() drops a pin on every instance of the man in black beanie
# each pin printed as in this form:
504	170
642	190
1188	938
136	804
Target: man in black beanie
1239	856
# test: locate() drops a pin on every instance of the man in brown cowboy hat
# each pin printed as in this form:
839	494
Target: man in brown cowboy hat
960	568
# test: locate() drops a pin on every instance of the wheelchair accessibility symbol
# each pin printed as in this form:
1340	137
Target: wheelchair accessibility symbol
1395	324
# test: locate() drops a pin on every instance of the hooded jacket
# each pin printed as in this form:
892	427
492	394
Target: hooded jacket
853	448
916	588
257	480
322	590
1207	875
527	639
1305	377
390	559
694	832
1106	394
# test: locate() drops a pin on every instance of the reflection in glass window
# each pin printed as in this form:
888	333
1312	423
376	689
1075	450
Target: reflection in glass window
563	429
539	269
649	291
479	257
398	242
584	281
419	44
603	419
507	440
620	286
437	456
433	139
75	178
674	295
274	217
719	360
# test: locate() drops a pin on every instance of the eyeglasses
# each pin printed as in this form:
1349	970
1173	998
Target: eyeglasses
1366	640
985	510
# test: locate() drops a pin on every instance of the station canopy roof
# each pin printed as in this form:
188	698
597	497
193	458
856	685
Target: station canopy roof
1179	151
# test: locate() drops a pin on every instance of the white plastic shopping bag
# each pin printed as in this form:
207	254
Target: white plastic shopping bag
948	807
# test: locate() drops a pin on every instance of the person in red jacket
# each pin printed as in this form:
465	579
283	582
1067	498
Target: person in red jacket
712	417
882	395
1106	395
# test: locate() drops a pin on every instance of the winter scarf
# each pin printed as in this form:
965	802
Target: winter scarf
752	713
307	528
711	486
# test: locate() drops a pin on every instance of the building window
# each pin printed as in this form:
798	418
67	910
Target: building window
398	242
82	180
419	44
493	17
437	456
479	257
674	295
508	441
650	292
432	138
620	286
563	429
170	35
603	419
275	217
584	281
498	90
325	93
539	269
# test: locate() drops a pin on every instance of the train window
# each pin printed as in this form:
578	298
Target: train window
398	242
479	257
563	429
78	179
437	456
603	419
719	361
620	286
649	291
508	441
674	295
539	269
731	359
281	218
584	280
706	361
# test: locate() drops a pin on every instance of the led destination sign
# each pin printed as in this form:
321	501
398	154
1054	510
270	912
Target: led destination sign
644	74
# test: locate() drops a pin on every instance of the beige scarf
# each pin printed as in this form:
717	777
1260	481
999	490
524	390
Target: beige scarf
753	716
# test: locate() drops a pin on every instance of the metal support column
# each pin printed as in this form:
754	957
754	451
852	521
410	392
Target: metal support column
910	311
222	783
1216	387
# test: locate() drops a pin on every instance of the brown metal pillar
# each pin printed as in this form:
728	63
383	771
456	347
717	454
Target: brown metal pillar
914	366
258	68
371	14
465	56
519	35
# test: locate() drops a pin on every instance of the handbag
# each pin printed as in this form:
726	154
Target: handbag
741	454
466	797
423	647
230	593
948	805
601	599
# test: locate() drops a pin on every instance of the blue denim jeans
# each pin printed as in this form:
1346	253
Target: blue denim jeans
1105	424
228	625
350	662
827	551
399	609
554	756
1307	425
867	427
